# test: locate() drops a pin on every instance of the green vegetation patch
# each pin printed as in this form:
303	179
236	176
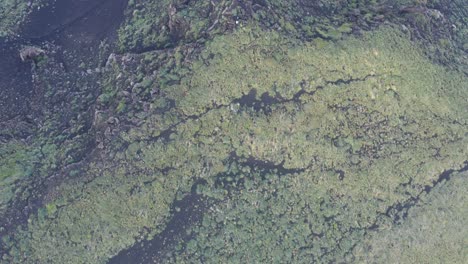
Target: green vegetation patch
13	13
435	231
15	163
162	24
303	148
13	160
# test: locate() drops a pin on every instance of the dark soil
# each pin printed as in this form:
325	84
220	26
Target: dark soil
70	32
75	26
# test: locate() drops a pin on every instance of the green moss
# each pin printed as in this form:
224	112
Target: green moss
51	209
13	160
281	136
345	28
121	107
298	177
140	32
345	118
434	231
13	13
16	163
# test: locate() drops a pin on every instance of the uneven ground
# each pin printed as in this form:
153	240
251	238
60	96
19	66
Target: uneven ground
237	132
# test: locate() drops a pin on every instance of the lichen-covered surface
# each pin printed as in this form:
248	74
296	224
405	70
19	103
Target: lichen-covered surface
245	132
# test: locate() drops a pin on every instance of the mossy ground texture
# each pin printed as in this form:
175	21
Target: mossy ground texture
354	128
326	149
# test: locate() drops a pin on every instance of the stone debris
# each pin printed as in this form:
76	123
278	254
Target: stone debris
30	53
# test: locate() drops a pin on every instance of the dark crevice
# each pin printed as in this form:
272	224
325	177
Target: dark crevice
185	213
250	100
153	250
189	212
399	211
265	165
232	181
341	174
